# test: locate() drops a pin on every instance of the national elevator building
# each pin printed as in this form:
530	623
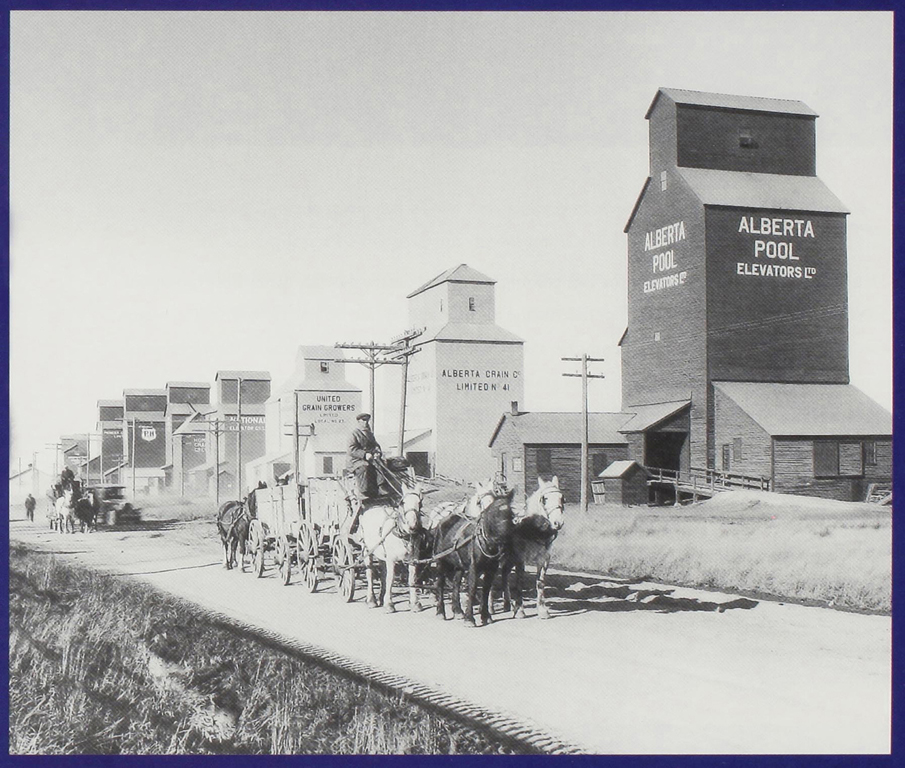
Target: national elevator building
736	352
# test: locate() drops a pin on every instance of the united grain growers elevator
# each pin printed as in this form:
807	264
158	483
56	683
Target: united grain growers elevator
738	304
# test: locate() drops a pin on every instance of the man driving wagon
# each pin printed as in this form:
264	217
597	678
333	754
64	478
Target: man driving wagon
374	478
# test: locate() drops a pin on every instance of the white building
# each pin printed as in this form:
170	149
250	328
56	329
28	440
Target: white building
327	407
467	372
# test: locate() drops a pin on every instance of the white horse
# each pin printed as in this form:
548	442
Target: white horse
64	511
392	534
531	542
471	508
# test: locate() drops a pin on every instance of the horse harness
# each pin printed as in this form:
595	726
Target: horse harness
236	518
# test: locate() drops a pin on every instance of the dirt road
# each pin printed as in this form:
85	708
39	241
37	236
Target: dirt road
619	668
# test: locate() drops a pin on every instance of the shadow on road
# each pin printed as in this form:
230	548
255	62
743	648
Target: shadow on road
571	595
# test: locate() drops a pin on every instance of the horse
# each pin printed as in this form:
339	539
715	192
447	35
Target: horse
86	510
393	534
472	507
532	539
233	521
64	509
473	546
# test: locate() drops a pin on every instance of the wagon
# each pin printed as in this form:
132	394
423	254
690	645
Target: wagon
329	517
306	526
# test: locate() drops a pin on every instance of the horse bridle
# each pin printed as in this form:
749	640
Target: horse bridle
559	506
399	522
482	533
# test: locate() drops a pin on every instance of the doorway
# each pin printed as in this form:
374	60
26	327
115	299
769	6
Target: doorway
664	450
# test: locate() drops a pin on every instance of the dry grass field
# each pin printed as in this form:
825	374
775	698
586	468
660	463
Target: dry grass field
792	547
105	666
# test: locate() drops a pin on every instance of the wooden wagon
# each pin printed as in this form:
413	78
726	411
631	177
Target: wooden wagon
306	526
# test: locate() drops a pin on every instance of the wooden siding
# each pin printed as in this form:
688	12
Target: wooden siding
708	137
508	442
664	350
565	463
732	423
793	467
777	329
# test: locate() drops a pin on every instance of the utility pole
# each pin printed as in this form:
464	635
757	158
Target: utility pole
239	437
295	438
34	472
375	355
296	445
404	352
584	360
132	455
217	461
57	447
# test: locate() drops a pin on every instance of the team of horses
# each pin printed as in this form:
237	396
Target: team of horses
474	541
73	507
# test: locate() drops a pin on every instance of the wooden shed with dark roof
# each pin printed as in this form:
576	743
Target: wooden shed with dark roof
827	440
528	445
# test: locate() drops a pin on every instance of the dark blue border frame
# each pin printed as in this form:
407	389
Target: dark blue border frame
898	623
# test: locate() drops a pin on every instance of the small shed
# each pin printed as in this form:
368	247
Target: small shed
622	482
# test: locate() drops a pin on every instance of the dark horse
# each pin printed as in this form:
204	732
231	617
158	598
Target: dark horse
86	510
532	539
233	520
473	546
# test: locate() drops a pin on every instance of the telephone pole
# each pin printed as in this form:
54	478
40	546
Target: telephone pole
584	360
404	352
238	438
375	355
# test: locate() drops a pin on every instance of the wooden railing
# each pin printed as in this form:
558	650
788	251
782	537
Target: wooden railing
702	479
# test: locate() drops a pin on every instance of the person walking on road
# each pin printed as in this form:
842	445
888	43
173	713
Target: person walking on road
30	507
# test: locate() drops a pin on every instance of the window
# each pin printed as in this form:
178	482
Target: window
826	458
870	454
328	465
544	462
838	459
471	304
736	450
727	453
746	139
325	366
517	464
664	181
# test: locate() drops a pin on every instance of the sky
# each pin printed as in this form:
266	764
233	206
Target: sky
191	192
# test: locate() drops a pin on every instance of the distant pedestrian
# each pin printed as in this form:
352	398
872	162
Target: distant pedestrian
30	507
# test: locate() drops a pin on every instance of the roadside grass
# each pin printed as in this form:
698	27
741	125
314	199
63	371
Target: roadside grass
99	665
796	548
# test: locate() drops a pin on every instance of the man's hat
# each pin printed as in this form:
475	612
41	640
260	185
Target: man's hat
363	416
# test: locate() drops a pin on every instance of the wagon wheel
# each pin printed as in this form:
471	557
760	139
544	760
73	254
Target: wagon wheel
306	555
345	570
284	557
256	539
